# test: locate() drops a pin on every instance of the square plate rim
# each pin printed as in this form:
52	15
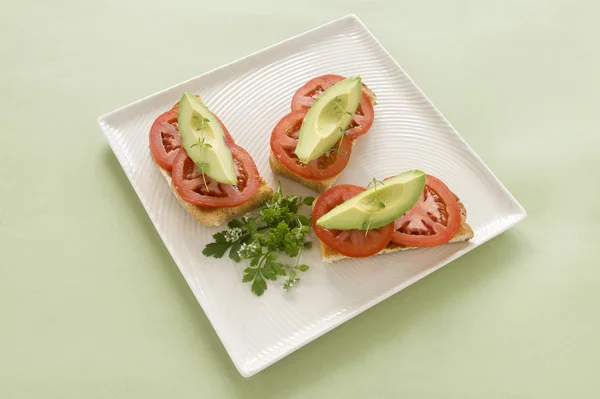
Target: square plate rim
247	372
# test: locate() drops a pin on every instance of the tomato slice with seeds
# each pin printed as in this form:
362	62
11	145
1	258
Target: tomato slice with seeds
434	219
165	140
283	143
202	191
352	243
306	95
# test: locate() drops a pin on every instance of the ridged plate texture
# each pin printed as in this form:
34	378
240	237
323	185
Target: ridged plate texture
250	96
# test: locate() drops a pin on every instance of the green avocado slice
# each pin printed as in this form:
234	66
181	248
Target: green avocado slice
204	140
328	118
377	206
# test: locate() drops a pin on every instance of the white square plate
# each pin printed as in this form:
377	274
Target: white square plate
250	95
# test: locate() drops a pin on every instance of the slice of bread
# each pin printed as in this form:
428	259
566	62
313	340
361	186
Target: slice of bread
317	185
217	216
465	233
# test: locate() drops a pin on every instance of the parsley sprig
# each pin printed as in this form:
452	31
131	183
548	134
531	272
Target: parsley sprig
278	228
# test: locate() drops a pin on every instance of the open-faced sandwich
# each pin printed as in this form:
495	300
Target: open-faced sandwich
410	210
312	144
213	178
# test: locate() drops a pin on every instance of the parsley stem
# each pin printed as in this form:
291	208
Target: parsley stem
262	260
298	258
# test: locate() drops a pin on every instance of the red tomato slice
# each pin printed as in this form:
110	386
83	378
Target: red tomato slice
283	143
352	243
434	219
165	140
307	94
191	186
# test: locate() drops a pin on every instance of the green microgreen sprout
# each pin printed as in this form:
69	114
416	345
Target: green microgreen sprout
376	202
202	166
338	107
199	122
338	148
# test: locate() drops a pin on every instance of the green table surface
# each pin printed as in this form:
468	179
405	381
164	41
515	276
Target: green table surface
92	305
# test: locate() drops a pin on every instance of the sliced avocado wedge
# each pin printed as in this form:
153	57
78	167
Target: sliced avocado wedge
377	206
328	118
204	140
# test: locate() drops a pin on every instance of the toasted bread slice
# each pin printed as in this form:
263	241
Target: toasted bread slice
317	185
217	216
465	233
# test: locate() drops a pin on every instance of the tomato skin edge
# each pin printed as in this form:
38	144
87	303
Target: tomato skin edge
157	150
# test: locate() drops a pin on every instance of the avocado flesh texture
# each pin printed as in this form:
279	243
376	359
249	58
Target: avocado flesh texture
198	125
399	194
327	119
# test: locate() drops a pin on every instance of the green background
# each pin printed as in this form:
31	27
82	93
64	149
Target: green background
92	305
